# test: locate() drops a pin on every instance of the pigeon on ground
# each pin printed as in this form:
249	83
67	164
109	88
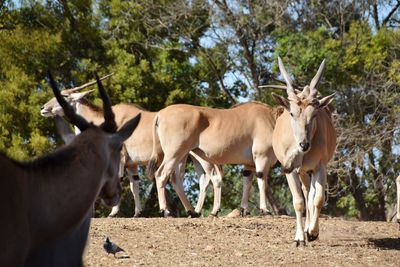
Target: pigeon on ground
110	247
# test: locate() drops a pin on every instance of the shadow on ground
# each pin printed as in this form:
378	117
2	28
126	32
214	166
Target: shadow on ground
386	243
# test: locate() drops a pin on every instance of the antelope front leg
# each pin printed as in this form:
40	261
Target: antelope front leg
177	184
318	181
216	179
298	204
161	177
310	208
203	183
262	188
134	183
262	170
305	181
114	210
204	179
247	183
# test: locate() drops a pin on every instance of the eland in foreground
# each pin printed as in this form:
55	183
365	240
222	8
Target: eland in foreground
304	141
49	197
68	250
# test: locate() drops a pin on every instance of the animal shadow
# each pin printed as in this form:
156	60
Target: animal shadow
386	243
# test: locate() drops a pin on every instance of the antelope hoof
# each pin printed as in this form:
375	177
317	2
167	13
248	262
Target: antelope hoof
299	243
165	214
215	214
265	212
137	214
193	214
112	215
311	238
244	212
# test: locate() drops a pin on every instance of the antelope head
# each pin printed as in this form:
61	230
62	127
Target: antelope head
105	140
52	108
303	107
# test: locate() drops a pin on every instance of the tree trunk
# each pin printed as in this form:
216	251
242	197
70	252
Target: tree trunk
379	213
357	193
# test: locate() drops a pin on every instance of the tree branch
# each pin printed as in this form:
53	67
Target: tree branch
221	80
247	49
376	15
391	13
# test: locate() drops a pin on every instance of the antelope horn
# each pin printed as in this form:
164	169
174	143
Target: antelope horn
283	87
109	124
83	86
315	80
69	112
289	86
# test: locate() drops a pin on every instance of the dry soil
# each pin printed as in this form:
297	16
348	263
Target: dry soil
250	241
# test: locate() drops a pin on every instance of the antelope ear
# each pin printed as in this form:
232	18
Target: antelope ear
282	101
127	129
326	101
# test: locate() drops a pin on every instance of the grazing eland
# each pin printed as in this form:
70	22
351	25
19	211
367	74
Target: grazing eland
47	198
304	140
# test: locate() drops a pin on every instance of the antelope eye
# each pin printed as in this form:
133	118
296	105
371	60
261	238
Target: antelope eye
291	114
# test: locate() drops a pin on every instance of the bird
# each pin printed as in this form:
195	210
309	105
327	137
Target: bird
110	247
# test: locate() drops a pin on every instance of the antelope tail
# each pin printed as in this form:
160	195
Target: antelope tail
156	153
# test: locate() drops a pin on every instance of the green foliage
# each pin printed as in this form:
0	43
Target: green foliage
19	92
347	203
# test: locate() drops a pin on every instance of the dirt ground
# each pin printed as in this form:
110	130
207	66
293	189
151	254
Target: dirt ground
250	241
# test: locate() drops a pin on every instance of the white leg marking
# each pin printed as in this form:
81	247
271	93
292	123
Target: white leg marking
298	203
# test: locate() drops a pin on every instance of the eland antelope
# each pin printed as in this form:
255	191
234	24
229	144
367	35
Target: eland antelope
239	135
304	141
139	149
67	250
51	196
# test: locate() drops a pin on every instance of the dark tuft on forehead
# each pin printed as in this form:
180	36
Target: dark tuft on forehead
303	101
